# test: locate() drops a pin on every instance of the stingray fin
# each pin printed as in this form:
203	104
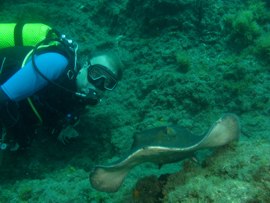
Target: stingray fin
107	179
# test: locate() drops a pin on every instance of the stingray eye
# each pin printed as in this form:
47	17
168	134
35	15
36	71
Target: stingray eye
170	131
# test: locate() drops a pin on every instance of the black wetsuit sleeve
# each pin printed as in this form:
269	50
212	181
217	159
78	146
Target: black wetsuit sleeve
3	97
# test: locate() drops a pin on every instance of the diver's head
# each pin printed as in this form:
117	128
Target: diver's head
103	73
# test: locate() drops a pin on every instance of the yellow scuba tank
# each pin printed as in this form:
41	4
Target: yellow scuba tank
19	34
40	37
23	34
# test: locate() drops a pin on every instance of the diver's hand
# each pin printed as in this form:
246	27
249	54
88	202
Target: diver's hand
67	133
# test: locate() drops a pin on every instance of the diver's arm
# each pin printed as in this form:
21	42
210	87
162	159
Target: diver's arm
27	81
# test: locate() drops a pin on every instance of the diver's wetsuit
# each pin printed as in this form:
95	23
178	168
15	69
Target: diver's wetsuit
26	81
19	83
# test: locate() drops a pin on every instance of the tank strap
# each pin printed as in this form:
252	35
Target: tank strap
34	109
18	35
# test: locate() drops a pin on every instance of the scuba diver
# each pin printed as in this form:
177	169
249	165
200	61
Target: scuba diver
43	85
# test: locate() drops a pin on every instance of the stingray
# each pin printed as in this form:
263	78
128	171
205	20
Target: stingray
161	145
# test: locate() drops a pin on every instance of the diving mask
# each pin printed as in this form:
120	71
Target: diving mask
101	77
